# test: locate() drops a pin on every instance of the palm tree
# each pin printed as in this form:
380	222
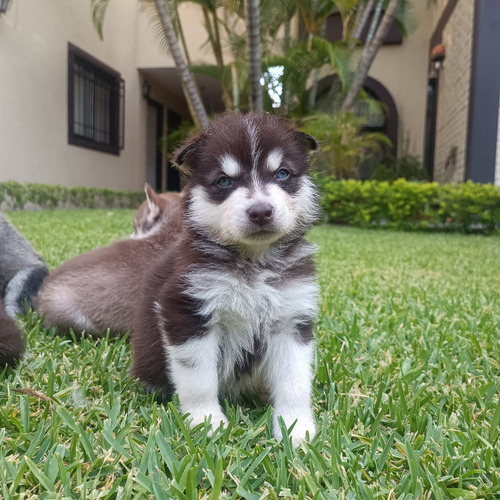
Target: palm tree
189	88
195	104
254	59
369	54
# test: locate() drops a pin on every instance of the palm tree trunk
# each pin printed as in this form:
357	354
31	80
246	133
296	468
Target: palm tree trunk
313	93
285	95
230	20
254	59
374	23
358	31
369	55
214	39
180	30
193	99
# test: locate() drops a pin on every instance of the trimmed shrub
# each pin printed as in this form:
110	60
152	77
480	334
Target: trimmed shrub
407	205
15	196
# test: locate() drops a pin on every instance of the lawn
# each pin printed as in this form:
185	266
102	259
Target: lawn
406	393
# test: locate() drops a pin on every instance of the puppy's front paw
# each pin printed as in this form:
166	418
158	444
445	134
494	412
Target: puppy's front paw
304	424
215	417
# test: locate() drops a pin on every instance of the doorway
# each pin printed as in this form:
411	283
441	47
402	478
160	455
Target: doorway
154	156
174	121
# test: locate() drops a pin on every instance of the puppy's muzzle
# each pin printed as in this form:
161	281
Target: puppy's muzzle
261	213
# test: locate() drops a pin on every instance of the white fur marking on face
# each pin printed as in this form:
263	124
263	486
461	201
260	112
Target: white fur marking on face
274	160
228	222
230	165
254	150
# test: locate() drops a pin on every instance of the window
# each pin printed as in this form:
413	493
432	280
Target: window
95	103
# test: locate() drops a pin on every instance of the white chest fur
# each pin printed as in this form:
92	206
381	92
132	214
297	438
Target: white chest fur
245	308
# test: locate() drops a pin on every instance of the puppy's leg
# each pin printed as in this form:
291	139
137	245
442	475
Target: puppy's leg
289	375
193	367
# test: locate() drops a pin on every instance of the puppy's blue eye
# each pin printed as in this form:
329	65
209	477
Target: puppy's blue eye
224	181
282	174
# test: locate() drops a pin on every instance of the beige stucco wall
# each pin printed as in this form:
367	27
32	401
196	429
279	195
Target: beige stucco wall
403	70
34	40
436	9
453	95
149	51
34	145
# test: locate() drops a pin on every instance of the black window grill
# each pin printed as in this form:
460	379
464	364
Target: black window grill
95	103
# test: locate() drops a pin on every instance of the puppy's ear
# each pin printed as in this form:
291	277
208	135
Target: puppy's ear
308	141
153	199
183	154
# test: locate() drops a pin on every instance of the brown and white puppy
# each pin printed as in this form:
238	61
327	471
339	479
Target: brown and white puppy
98	290
158	208
230	307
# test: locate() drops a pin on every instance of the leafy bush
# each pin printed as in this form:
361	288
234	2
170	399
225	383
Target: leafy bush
343	145
411	205
407	167
16	196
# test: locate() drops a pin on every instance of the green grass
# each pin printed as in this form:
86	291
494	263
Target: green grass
406	394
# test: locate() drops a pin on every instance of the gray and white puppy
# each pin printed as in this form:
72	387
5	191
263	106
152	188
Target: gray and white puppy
229	310
22	272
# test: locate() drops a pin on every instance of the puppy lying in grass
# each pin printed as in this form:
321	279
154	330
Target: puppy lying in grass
229	307
98	290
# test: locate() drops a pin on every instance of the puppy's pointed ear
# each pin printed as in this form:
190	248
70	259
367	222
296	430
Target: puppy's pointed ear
183	154
153	200
308	141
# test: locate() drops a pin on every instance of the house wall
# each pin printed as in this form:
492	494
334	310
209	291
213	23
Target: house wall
34	145
34	40
403	70
453	95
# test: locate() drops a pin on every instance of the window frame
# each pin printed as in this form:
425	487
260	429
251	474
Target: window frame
116	110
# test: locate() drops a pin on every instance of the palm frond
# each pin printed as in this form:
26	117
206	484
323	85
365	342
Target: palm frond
405	17
98	9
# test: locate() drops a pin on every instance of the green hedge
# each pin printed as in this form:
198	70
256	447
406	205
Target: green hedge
16	196
407	205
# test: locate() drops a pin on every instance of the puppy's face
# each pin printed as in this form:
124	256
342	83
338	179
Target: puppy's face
249	183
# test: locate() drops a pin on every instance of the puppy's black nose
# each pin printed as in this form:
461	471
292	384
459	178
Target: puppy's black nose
261	213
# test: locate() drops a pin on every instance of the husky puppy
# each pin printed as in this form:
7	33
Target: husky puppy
155	210
98	290
230	307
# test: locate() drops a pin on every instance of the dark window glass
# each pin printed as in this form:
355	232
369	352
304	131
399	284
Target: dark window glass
95	102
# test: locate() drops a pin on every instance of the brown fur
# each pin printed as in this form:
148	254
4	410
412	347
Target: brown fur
103	285
11	338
